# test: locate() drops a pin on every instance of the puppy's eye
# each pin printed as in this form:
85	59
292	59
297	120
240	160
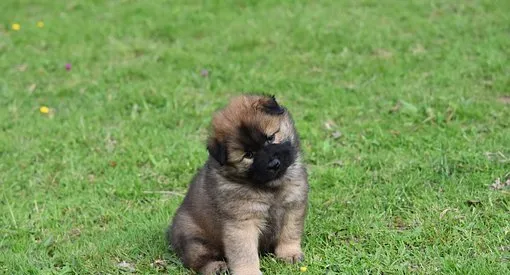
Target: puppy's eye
270	138
248	155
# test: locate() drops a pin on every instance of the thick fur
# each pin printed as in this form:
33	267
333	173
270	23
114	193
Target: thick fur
250	196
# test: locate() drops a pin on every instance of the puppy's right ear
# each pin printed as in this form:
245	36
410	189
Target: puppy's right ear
217	150
270	105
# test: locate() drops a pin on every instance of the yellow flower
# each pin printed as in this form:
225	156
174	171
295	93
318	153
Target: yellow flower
40	24
303	269
16	26
44	110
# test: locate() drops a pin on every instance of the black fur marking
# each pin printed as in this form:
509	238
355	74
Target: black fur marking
251	138
272	107
255	141
218	151
260	172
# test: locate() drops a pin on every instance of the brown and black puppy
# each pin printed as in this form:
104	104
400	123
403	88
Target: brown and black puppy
249	197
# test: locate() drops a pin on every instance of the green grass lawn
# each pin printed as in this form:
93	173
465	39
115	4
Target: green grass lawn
403	108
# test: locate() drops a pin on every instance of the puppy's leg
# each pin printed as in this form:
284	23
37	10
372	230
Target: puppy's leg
288	244
200	256
241	240
215	267
193	248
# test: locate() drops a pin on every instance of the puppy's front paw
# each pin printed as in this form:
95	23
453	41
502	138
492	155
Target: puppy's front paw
290	254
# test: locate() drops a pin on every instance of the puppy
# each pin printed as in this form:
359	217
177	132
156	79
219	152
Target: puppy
250	196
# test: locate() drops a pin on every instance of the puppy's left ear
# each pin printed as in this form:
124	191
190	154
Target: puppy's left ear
217	150
271	106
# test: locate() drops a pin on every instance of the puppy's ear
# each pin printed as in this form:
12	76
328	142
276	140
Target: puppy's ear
217	150
271	106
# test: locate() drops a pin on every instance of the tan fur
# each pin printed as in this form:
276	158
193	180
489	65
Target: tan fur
223	220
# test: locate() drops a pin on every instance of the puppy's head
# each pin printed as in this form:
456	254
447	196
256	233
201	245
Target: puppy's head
253	140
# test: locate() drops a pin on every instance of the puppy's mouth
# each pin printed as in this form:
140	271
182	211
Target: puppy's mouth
271	162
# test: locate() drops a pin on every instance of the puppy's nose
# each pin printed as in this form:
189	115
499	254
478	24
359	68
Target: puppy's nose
273	164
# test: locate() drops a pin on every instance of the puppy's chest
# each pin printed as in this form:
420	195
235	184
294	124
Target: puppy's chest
266	206
248	204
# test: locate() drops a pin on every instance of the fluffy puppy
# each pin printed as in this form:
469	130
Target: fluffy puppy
250	196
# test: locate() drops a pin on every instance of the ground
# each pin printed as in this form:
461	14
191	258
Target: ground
403	109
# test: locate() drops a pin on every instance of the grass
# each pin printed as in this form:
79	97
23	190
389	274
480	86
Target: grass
402	107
